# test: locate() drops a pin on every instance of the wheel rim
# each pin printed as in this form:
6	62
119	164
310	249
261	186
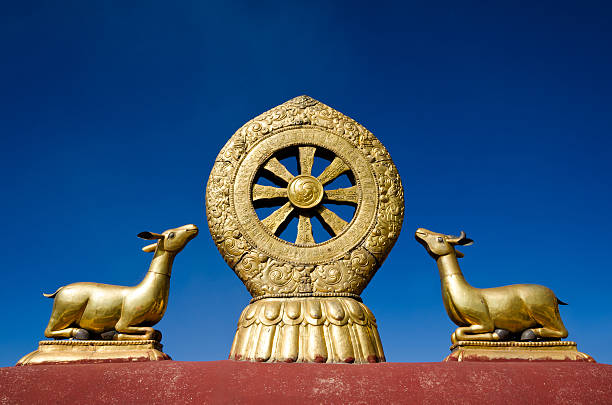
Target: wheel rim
262	232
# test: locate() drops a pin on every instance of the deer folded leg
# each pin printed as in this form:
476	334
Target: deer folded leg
475	332
60	327
58	331
552	326
133	332
502	334
78	333
550	333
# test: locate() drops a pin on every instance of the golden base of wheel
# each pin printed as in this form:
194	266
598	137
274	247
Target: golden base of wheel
312	329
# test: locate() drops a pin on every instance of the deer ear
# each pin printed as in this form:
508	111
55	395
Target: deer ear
150	235
458	254
466	242
150	248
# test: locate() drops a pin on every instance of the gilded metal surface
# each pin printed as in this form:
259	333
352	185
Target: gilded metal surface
305	191
251	245
525	311
321	330
517	351
94	351
305	273
82	310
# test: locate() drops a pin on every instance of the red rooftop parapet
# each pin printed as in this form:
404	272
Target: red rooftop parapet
215	382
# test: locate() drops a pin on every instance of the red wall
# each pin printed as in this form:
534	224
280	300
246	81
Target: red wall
241	382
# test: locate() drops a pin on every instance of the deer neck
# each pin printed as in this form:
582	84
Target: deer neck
454	286
160	268
448	266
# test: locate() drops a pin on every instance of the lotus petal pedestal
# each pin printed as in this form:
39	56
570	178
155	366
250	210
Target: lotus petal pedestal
312	329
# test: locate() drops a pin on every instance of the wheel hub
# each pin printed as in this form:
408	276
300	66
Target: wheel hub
305	191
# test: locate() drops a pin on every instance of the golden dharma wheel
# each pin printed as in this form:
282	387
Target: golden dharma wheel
262	211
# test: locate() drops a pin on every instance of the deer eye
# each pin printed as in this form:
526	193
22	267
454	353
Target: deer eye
171	235
440	239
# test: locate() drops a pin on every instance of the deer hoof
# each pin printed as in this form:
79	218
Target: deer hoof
528	334
81	334
502	334
110	335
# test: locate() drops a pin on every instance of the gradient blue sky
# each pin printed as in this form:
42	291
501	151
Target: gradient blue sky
498	118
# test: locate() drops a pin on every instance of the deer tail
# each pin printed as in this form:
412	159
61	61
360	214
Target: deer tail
561	302
54	294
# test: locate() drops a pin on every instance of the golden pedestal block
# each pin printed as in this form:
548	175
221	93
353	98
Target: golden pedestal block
94	351
312	329
517	351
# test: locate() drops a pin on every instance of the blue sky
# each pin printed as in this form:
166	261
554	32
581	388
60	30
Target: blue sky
498	118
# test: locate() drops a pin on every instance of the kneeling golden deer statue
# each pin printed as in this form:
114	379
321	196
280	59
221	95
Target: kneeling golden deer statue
117	312
491	313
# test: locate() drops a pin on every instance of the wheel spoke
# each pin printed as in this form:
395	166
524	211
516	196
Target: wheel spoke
268	192
333	221
306	159
335	169
348	195
275	220
304	231
275	167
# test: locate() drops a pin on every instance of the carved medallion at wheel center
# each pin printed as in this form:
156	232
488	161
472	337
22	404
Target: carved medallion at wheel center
305	191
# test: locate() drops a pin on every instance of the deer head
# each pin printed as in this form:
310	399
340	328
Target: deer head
172	240
438	244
